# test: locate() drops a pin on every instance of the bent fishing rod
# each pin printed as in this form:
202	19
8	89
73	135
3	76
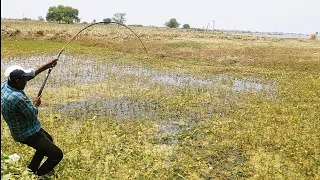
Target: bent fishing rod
74	37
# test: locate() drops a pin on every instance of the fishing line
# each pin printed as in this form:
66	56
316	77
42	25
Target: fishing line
74	37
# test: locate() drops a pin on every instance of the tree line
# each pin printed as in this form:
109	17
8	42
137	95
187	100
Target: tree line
67	14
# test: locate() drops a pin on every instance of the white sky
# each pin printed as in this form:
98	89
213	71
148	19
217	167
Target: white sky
296	16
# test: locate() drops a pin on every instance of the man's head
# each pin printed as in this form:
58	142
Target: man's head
18	76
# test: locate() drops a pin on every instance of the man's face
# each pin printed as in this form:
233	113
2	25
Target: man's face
21	83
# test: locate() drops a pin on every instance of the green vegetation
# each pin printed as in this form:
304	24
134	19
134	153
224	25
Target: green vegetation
186	26
107	20
119	17
62	13
172	23
199	105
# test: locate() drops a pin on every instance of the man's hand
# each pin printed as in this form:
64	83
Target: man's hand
36	102
51	64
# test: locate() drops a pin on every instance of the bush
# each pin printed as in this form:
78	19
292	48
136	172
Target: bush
40	18
136	25
186	26
107	20
40	33
26	19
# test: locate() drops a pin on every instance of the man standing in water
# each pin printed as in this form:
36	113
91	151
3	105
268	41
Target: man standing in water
22	118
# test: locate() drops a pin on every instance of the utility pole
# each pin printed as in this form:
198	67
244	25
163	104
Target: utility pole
213	24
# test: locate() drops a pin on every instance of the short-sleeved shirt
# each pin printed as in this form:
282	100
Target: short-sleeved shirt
18	112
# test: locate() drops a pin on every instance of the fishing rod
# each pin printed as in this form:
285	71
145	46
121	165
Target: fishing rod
120	24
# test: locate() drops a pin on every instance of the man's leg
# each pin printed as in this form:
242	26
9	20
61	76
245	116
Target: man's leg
35	162
46	134
54	155
50	150
44	146
38	156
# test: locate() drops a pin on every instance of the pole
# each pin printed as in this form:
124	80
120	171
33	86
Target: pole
213	24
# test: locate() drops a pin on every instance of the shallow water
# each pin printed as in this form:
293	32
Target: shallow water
72	71
122	109
276	35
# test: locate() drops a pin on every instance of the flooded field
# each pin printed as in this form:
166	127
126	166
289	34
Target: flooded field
73	71
276	35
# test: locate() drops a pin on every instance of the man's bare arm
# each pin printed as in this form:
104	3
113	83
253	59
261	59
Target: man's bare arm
46	66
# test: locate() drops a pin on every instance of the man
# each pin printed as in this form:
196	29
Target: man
22	118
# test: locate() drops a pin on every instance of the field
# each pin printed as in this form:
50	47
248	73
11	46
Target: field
198	105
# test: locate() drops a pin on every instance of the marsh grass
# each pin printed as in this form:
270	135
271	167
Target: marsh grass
197	106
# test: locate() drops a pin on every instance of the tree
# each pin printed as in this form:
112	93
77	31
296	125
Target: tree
107	20
62	13
173	23
186	26
119	18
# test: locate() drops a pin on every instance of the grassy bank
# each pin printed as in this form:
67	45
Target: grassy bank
199	105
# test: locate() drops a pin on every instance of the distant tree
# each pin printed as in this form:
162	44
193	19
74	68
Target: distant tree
136	25
94	21
107	20
186	26
62	13
26	19
119	18
40	18
173	23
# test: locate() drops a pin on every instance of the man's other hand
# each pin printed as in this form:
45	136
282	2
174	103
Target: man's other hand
36	101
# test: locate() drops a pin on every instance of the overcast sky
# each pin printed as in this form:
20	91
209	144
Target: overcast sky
296	16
